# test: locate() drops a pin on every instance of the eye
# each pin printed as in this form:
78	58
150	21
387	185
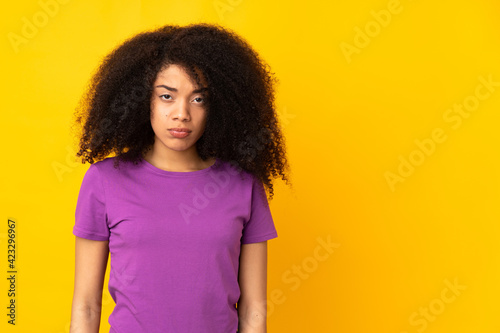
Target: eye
162	96
200	99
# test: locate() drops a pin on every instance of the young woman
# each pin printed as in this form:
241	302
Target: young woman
188	113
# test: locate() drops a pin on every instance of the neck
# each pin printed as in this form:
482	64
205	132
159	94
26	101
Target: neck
177	161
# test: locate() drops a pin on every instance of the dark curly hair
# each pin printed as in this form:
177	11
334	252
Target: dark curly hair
241	128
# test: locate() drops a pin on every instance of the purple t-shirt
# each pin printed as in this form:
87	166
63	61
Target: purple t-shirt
174	241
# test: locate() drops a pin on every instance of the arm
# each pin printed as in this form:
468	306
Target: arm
252	278
91	258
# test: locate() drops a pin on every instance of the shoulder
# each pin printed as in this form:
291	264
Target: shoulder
107	170
247	180
111	165
236	173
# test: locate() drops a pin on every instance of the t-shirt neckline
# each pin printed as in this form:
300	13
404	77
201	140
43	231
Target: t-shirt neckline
159	171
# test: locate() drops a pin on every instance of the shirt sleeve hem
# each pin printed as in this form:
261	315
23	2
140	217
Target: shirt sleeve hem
89	235
257	239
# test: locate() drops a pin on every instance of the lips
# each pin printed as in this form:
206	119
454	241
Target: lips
180	129
179	132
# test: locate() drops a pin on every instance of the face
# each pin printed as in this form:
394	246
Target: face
178	110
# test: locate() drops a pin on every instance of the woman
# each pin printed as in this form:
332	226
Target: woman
189	114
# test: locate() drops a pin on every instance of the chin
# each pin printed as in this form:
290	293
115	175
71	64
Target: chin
180	147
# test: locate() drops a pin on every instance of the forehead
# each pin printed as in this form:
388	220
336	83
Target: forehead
174	71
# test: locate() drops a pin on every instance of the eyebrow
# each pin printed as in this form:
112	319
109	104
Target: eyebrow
199	90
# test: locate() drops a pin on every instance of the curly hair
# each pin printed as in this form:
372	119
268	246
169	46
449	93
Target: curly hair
241	128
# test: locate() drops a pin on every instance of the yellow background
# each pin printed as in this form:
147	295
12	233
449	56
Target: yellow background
349	119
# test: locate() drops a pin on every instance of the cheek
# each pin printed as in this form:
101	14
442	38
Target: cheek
157	112
156	119
202	124
204	118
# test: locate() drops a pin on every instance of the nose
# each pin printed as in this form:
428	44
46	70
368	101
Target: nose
182	112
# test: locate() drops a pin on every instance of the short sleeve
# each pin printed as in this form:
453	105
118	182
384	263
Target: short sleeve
90	214
260	227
